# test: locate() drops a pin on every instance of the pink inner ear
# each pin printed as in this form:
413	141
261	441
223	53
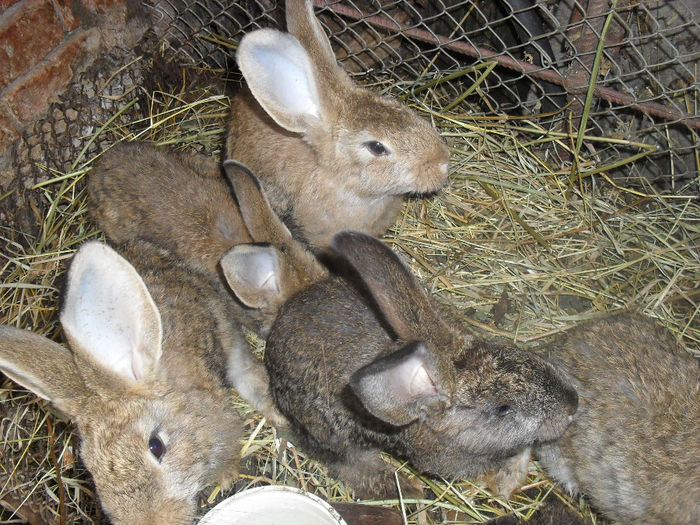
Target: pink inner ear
421	384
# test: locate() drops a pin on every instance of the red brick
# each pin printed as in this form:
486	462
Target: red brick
4	4
31	95
65	10
27	35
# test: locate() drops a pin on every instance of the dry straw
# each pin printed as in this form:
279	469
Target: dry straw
523	243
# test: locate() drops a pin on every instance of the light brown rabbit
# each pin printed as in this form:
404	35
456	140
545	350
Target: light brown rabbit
331	155
634	445
182	203
144	381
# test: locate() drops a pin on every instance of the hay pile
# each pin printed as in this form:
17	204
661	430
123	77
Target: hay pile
523	243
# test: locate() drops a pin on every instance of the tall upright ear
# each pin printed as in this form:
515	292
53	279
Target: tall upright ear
400	297
303	24
282	79
253	273
44	367
261	220
108	316
402	386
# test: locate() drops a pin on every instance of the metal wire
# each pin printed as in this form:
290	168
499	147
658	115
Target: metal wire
647	89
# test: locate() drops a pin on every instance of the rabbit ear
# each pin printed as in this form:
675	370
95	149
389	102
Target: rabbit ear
281	76
402	386
261	220
303	24
108	315
398	293
44	367
253	273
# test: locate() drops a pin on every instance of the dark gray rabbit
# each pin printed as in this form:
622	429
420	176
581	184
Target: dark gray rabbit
634	444
357	372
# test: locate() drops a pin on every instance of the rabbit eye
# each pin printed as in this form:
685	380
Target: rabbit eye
503	410
376	148
156	447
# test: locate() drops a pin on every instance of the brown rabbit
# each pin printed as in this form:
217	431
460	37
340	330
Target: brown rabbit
634	445
331	155
182	203
357	372
144	382
636	435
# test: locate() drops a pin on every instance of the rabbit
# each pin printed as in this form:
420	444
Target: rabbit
182	203
636	435
357	372
331	155
634	445
144	381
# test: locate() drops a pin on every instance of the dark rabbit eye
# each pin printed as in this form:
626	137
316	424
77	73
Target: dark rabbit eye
376	148
503	410
156	447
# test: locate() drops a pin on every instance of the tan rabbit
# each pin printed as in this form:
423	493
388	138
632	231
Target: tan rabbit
144	381
182	203
331	155
634	445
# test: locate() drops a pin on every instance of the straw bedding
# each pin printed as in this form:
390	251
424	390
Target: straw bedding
528	238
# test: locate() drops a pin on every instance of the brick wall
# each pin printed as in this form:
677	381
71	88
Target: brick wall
42	44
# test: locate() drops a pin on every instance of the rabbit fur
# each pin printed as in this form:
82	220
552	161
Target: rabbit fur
634	445
144	381
313	136
182	203
358	370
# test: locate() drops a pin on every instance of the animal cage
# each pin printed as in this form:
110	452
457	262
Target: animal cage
644	84
523	244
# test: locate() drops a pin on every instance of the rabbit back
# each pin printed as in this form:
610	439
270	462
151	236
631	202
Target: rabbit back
633	446
175	200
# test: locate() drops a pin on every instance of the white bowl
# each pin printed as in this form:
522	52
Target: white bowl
273	505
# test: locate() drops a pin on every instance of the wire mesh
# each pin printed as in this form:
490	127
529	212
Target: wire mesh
647	88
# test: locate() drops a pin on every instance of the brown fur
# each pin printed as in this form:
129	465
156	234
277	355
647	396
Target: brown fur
317	173
634	445
183	204
179	391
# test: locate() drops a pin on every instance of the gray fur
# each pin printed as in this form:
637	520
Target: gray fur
634	445
467	407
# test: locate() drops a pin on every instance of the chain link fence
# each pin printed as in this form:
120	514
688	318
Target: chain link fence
646	91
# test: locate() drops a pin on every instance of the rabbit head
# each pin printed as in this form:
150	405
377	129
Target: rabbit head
155	427
398	372
473	397
637	433
266	273
331	155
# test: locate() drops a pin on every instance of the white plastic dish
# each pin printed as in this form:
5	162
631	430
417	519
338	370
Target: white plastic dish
273	505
